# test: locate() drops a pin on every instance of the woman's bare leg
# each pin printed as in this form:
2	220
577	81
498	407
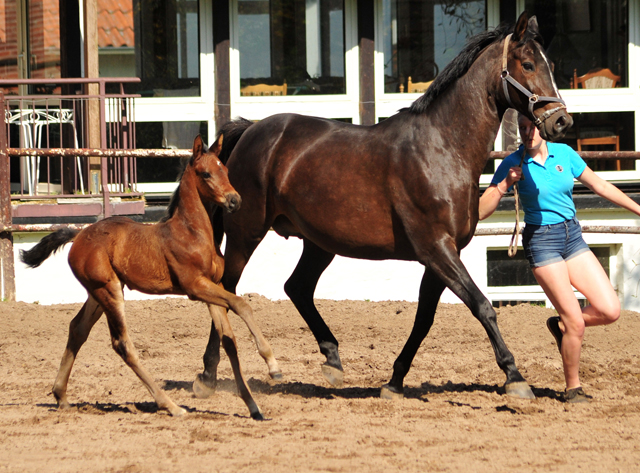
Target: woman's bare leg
555	281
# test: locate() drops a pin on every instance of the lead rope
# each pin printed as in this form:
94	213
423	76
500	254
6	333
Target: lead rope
513	245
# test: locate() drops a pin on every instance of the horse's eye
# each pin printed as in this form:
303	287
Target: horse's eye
527	66
205	175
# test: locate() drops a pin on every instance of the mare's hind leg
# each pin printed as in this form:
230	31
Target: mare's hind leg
206	382
446	264
111	299
237	253
300	288
431	289
79	329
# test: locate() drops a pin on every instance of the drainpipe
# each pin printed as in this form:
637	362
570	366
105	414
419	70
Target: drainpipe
7	271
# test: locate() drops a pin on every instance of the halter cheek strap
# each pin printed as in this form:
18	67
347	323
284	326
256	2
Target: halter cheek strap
533	98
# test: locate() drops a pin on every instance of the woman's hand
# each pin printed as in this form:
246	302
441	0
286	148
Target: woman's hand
513	176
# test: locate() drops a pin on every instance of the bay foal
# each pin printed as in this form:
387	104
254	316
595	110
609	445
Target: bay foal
175	256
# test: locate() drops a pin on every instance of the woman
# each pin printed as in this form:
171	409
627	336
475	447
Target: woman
553	243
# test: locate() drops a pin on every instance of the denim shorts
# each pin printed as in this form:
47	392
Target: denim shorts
548	244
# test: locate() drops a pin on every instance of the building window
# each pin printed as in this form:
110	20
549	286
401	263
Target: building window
299	43
421	37
154	40
583	36
503	271
603	131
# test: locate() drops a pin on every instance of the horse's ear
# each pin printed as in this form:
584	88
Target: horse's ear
533	25
217	146
198	147
521	26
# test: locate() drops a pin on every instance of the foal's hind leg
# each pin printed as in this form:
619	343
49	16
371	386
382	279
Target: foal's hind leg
79	329
300	288
112	301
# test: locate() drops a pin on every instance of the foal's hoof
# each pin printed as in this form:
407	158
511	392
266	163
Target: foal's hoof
387	392
334	376
201	390
276	376
520	389
177	411
257	416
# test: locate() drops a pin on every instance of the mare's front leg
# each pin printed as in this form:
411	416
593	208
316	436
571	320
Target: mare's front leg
112	301
300	288
79	330
446	264
431	289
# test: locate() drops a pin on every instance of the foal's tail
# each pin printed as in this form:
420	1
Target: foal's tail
231	131
47	246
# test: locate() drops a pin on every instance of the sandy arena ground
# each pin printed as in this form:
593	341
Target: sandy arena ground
454	416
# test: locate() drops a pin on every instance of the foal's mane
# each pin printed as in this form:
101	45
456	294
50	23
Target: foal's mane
174	202
463	61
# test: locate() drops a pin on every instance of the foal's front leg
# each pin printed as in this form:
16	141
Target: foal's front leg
205	383
218	301
225	334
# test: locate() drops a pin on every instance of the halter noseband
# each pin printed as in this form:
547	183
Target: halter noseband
533	98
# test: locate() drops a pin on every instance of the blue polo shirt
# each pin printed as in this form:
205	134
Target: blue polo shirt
546	193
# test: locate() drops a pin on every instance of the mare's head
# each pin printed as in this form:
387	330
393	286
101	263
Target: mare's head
527	80
212	179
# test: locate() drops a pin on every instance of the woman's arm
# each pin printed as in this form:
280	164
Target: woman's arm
607	190
491	197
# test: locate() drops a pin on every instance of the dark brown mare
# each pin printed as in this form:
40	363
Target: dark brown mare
176	256
406	188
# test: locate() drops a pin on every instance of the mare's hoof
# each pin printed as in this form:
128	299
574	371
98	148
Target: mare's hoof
387	392
257	416
520	389
201	389
334	376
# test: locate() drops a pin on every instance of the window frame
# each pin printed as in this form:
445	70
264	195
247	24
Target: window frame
327	106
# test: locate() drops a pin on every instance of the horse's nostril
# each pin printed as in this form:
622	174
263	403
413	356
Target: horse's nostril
233	202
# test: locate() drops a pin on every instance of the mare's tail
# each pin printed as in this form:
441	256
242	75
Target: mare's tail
47	246
232	131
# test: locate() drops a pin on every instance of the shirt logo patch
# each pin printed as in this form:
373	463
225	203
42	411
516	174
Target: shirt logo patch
559	168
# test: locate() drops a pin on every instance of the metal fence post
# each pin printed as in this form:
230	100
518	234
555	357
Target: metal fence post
7	270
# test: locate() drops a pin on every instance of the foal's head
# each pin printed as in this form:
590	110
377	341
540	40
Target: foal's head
212	178
538	97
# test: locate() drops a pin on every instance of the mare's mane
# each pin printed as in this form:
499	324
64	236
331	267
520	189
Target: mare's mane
463	61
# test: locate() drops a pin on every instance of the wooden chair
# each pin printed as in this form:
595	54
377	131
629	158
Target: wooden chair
417	87
606	134
596	79
260	90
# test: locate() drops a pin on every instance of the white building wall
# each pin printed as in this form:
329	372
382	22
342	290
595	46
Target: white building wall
274	261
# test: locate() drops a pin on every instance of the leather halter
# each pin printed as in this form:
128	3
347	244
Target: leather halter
533	98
